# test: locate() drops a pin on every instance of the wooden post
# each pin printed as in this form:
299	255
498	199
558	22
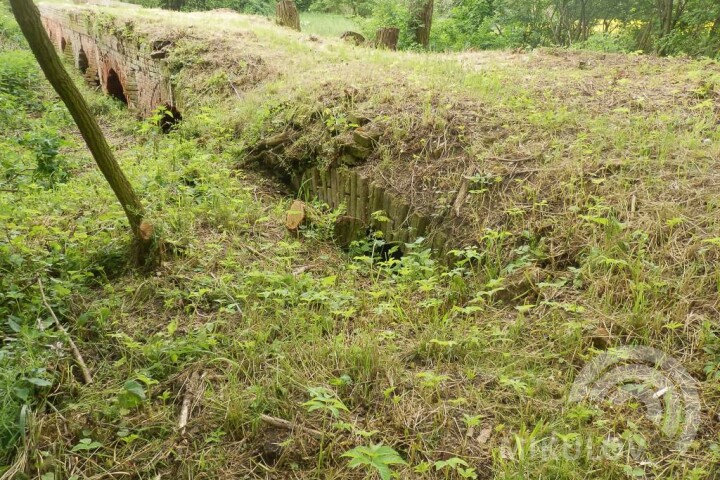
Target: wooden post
387	38
287	14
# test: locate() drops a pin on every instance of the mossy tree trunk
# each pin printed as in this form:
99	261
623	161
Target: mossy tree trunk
387	38
422	21
28	17
287	14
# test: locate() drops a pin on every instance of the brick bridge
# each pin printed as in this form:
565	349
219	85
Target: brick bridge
124	69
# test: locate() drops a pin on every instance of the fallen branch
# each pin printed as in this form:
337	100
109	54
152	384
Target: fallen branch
267	145
187	399
513	160
261	255
280	423
302	269
237	94
75	351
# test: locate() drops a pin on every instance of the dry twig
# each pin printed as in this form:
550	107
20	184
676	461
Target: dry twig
75	351
187	400
280	423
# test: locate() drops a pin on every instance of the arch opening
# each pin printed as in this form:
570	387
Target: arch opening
114	87
171	117
83	62
63	44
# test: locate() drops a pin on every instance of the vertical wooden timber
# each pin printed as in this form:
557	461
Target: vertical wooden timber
363	198
352	204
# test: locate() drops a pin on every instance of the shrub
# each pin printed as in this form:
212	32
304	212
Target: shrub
18	74
606	42
450	34
11	37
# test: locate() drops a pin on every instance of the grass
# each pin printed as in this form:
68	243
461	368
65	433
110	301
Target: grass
590	223
327	24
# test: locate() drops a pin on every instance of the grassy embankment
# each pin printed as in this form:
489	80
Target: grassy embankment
590	222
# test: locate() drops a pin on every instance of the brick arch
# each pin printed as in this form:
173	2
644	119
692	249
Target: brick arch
114	86
67	50
82	62
137	78
88	52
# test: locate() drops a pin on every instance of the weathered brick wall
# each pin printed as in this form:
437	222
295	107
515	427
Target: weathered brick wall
105	58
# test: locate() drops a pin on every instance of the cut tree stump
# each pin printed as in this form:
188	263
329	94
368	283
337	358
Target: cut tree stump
387	38
287	14
295	216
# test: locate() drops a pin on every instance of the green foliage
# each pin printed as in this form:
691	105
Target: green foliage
131	395
51	167
327	24
11	38
37	138
603	25
86	445
471	24
458	465
262	7
361	8
375	457
19	77
323	399
606	42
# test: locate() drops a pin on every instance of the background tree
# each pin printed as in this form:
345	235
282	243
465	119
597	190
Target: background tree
28	18
421	21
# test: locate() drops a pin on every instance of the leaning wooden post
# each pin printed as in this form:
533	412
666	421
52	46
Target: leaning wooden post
387	38
28	17
287	14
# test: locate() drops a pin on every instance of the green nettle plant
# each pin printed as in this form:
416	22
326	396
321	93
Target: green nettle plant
324	400
51	166
379	458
